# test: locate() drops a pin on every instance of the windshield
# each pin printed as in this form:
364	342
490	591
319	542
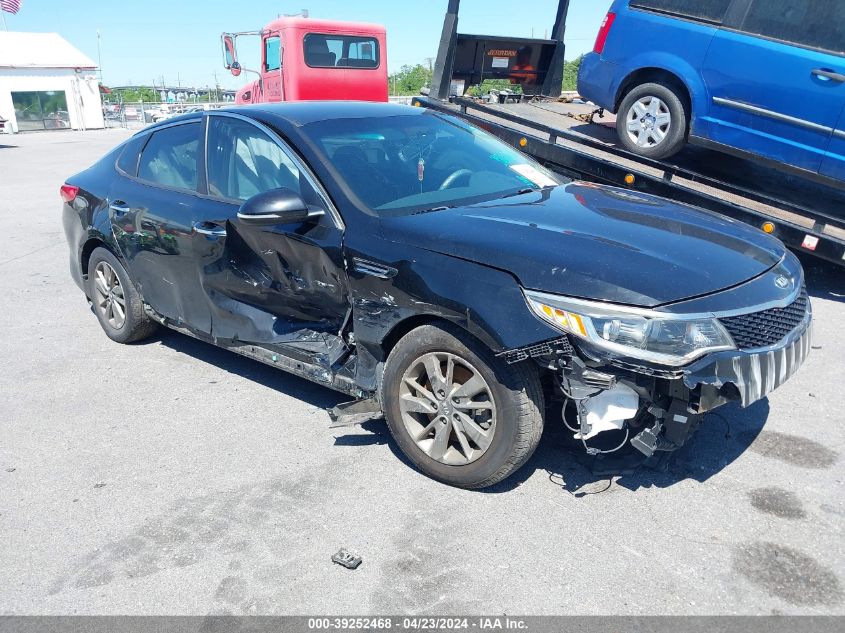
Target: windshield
405	164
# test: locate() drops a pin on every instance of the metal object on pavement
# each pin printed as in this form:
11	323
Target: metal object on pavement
346	559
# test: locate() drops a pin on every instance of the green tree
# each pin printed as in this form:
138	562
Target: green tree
570	73
143	93
409	80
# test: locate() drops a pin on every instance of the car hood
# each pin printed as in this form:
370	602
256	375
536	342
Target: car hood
597	242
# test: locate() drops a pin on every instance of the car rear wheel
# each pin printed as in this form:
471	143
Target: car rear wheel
115	301
652	121
461	415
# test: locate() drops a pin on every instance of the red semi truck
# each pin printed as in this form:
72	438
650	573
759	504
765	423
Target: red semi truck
308	59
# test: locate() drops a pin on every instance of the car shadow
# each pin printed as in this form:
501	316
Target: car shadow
276	379
723	436
825	280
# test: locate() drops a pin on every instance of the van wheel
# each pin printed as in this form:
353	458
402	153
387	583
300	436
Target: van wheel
461	415
115	301
652	121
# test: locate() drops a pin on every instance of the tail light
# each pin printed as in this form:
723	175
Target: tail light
604	31
68	192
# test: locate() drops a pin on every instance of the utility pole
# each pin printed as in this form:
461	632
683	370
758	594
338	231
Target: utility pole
99	57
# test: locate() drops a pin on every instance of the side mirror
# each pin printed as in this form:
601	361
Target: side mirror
277	206
230	55
235	69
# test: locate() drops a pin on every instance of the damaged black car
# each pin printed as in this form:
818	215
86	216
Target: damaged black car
437	276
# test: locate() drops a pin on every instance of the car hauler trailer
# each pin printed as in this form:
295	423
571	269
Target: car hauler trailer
807	216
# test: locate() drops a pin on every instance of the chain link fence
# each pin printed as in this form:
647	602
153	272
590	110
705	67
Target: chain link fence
136	115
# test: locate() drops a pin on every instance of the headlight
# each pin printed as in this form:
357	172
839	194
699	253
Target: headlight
636	332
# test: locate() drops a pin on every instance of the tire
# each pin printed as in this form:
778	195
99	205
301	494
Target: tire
644	108
105	293
484	445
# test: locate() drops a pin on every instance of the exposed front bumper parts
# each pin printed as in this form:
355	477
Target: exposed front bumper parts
751	375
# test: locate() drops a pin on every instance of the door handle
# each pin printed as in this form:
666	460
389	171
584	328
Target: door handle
209	228
119	207
829	75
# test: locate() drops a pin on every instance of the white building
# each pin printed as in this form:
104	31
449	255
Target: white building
47	84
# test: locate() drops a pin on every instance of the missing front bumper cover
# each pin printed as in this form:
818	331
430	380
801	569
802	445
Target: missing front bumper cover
748	376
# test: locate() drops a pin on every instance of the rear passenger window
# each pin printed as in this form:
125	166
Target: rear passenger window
128	161
813	23
170	157
705	10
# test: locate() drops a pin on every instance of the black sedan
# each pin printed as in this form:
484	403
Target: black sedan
437	276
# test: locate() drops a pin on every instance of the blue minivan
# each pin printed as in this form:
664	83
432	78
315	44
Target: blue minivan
756	78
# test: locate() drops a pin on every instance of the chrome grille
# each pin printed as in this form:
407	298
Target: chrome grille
769	327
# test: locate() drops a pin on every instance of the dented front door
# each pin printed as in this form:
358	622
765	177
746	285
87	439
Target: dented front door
269	284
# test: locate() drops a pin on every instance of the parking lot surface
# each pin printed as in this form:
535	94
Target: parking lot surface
173	477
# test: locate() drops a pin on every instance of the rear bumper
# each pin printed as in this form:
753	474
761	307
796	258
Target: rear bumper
75	234
597	81
749	376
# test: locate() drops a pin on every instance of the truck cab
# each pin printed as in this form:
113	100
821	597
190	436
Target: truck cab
306	59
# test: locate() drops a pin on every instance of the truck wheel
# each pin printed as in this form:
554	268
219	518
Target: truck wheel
461	415
115	301
652	121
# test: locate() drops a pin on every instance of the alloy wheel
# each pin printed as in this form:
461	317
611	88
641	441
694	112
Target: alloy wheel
110	300
447	408
648	121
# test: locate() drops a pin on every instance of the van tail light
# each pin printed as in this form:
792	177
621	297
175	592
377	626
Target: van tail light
604	31
68	192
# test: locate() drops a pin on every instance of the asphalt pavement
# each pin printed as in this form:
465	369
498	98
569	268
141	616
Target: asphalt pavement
172	477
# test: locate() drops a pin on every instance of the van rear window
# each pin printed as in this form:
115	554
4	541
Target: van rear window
340	51
813	23
706	10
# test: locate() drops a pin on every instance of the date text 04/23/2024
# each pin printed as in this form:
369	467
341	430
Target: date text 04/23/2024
418	623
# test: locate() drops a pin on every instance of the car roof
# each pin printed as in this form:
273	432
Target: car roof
299	113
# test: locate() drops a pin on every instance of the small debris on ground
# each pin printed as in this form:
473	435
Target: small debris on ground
99	485
10	470
347	559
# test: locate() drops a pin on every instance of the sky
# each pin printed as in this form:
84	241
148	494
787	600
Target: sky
141	42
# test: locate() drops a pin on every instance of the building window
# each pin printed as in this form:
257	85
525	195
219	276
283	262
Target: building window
45	110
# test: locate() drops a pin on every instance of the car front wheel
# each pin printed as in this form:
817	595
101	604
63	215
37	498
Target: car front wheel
652	121
461	415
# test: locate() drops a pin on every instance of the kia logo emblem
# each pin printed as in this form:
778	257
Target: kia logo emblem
782	282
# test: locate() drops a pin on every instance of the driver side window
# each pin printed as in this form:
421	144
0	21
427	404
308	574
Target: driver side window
244	161
272	53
